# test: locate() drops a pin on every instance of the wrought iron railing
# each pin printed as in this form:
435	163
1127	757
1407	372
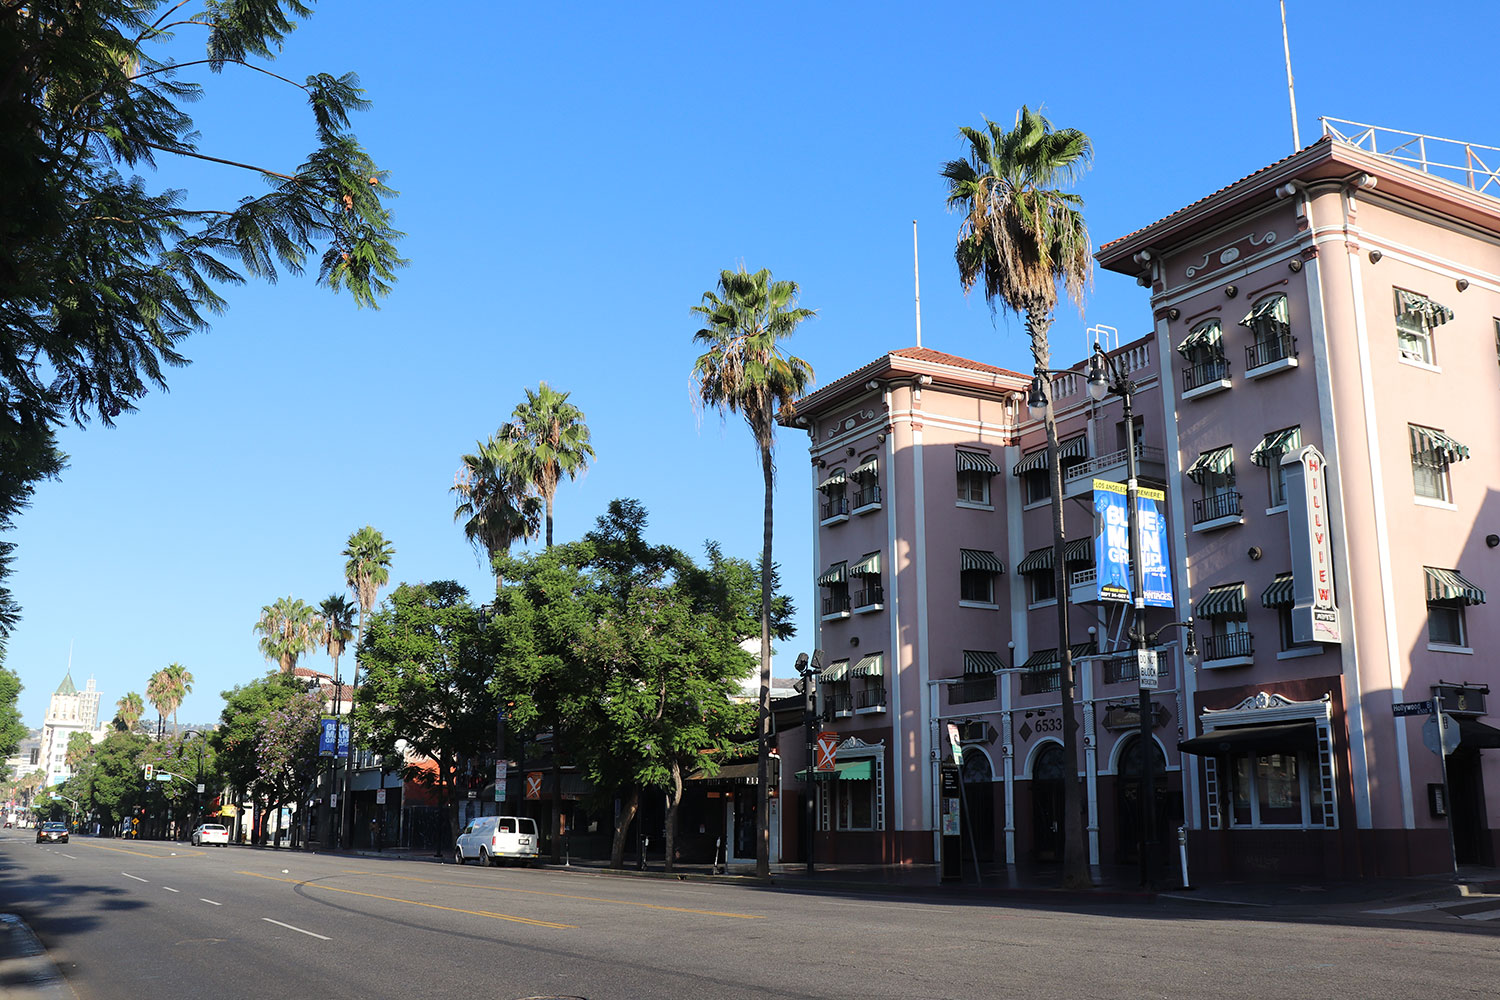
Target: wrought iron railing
1211	508
835	506
835	604
972	689
870	594
1467	163
1228	646
1270	350
1041	681
867	497
1124	668
836	706
873	697
1201	374
1143	453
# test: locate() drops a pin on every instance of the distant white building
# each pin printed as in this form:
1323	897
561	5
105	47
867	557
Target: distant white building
70	711
28	755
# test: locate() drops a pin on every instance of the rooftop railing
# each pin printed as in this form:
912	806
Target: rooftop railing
1467	163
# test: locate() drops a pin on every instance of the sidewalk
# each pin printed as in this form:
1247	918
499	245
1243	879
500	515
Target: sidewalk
25	968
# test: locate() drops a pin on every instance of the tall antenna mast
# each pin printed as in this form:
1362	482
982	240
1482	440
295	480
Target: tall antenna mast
916	277
1291	91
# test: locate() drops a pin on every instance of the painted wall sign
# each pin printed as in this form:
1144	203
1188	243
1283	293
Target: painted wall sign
1315	613
1112	545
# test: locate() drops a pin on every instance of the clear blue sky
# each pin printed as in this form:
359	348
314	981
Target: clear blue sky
573	178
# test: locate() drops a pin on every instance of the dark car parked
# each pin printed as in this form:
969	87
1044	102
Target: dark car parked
56	833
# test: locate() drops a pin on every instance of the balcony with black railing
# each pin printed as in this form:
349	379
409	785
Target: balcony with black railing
871	699
1208	375
836	506
1218	510
837	706
1227	649
971	689
1041	681
836	604
1125	669
1270	354
870	597
867	499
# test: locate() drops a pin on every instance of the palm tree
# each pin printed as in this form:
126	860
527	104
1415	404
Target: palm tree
288	628
180	686
367	569
743	370
1022	236
337	615
159	693
549	441
496	505
128	711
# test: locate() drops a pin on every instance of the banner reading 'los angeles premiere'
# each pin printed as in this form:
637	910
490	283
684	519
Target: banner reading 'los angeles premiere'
1112	545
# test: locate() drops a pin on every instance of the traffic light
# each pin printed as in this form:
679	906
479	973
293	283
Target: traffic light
150	771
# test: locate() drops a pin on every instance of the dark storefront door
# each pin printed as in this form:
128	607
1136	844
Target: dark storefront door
745	804
1047	803
1466	788
979	793
1128	801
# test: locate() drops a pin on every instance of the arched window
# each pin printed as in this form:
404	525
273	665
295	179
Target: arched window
1050	764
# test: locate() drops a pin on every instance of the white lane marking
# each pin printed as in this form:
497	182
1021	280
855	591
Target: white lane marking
1481	915
1419	907
170	889
136	877
67	855
209	901
299	930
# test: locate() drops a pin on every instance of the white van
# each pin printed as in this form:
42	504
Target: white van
491	839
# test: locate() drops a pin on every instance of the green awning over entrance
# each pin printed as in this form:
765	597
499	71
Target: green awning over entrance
977	559
868	566
844	770
1219	462
1276	444
836	574
1448	585
980	662
1207	334
1226	601
1435	449
1279	593
869	665
974	461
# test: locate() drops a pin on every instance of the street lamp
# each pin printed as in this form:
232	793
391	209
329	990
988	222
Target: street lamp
809	670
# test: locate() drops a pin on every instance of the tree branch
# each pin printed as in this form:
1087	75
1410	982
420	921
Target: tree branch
236	62
215	159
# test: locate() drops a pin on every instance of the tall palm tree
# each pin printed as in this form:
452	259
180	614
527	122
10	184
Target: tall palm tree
1023	237
496	505
180	686
367	568
128	711
549	441
337	615
744	370
159	694
287	629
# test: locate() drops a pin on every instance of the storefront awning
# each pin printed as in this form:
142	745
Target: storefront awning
836	671
1475	735
1208	334
1272	307
868	566
1422	309
1449	585
1279	593
866	469
1219	462
835	574
1276	444
1435	449
845	770
980	662
1225	601
1286	737
839	478
869	665
974	461
729	774
978	559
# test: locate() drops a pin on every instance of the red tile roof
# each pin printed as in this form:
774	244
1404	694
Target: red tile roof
925	355
953	360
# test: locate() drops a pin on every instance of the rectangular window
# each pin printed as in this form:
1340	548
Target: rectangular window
1445	623
1038	485
1429	462
1277	476
1284	625
1043	587
1269	789
1413	332
855	805
977	585
973	487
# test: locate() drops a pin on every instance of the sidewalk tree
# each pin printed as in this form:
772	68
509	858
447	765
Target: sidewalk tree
12	729
744	370
1021	237
367	568
103	275
427	683
248	710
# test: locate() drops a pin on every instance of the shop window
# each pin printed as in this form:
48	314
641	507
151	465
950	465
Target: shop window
1272	789
854	804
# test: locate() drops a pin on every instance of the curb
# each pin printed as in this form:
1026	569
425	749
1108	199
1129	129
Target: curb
26	970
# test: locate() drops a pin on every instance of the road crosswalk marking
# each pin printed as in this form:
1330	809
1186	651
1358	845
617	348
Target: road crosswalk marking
1474	907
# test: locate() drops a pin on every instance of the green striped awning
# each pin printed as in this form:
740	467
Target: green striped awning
1276	444
837	573
975	461
1226	601
1422	309
1279	593
869	665
1082	649
839	478
1042	659
1449	585
1036	561
977	661
866	469
1207	334
1080	551
834	672
1031	462
1435	449
978	559
845	770
1272	307
1219	461
1073	447
868	566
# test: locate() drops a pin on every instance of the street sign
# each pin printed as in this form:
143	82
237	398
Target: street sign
380	796
1404	708
1441	723
1147	669
200	789
827	750
502	775
534	784
955	744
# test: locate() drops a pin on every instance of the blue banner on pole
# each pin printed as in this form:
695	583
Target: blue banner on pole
1156	570
327	727
1112	545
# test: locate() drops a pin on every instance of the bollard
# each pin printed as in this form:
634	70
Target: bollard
1182	852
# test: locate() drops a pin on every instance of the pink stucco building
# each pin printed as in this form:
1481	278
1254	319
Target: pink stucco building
1318	397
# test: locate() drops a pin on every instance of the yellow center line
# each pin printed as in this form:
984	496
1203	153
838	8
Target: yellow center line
560	895
186	852
414	902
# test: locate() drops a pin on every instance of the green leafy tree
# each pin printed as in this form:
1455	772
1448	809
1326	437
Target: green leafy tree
496	504
427	682
744	370
1022	236
12	729
249	711
80	745
112	783
549	441
367	568
288	628
102	275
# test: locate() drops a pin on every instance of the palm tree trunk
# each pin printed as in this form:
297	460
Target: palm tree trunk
549	520
763	721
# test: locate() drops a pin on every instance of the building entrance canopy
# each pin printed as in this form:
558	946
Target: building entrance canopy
1285	737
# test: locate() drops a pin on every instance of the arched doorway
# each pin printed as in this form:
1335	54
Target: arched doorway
1048	772
1128	802
979	793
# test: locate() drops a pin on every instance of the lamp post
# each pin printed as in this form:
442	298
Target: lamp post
198	782
809	670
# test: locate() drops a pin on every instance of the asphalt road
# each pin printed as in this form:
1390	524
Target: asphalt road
149	919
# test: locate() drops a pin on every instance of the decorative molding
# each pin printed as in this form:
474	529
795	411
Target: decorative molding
848	423
855	744
1229	252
